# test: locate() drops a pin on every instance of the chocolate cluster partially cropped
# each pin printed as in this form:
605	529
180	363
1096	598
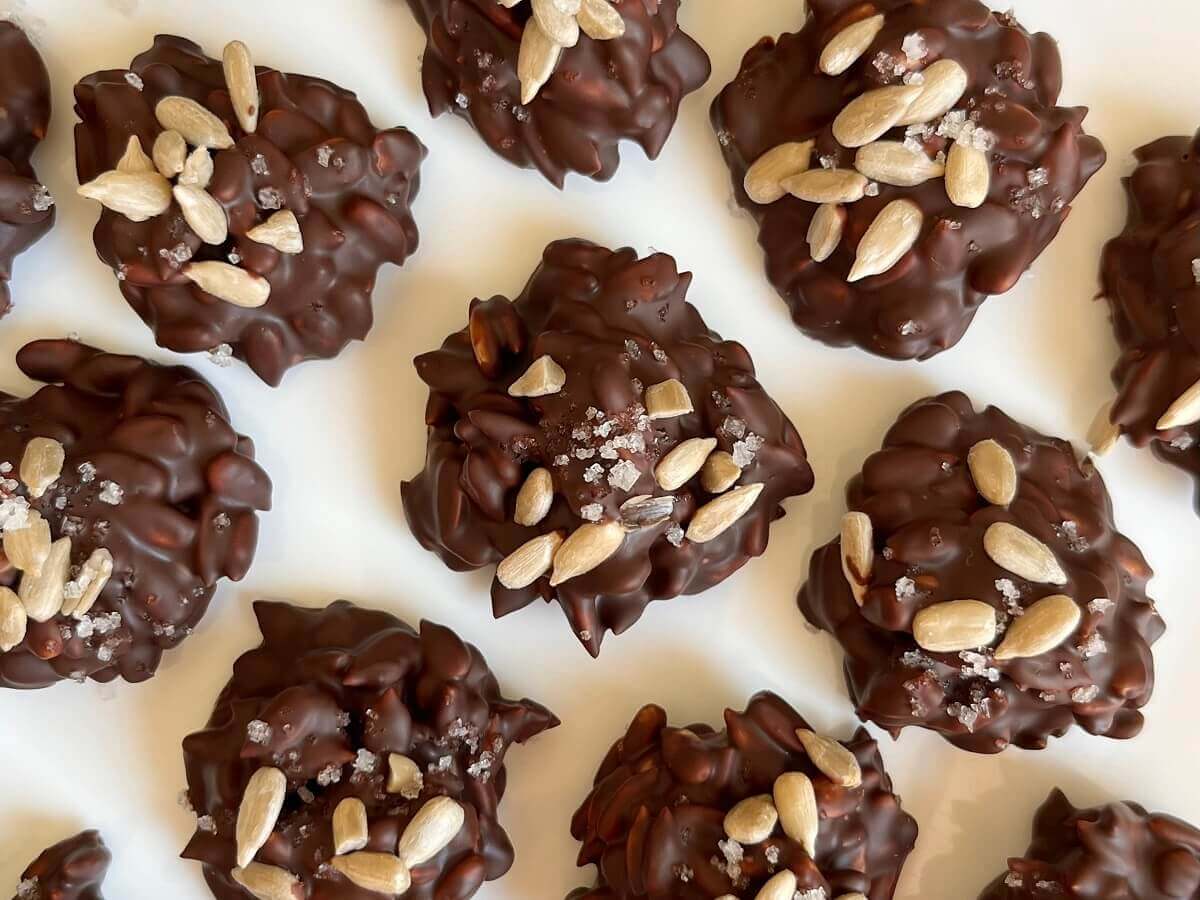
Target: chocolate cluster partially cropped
1151	277
599	443
71	870
246	212
764	808
556	85
349	757
980	588
26	206
125	496
903	161
1113	852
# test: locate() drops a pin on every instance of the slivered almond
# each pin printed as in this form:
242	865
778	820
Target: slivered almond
380	873
780	886
560	26
968	176
268	882
536	60
668	399
942	86
13	620
717	516
135	159
1103	434
720	473
281	231
858	553
41	465
752	820
587	547
137	196
259	811
93	578
1042	627
197	169
825	231
170	153
869	116
535	498
682	463
431	831
955	625
203	214
404	777
849	44
229	283
887	239
1184	411
349	826
542	378
834	761
994	472
798	812
600	20
1021	553
42	594
28	547
242	81
529	562
827	186
198	125
764	180
892	162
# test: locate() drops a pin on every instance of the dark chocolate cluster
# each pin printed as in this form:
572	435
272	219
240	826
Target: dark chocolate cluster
980	587
626	83
1113	852
125	495
1151	277
71	870
252	214
26	207
600	443
763	808
903	160
351	756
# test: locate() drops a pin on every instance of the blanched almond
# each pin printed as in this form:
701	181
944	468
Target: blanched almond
600	20
893	233
825	231
1021	553
242	82
942	86
835	761
827	186
892	162
27	548
543	377
717	516
13	620
849	44
1184	411
380	873
858	553
869	116
682	463
137	196
431	831
349	826
529	562
170	153
135	159
535	498
261	804
42	465
667	400
752	820
720	473
798	812
229	283
42	594
764	179
1042	627
955	625
968	176
994	472
196	123
588	546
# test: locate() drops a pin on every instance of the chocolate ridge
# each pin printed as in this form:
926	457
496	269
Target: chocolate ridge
73	869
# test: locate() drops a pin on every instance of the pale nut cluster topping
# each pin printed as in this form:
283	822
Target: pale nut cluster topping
554	27
142	187
1183	412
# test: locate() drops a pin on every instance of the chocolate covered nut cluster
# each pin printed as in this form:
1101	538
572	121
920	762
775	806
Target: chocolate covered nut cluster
903	161
71	870
246	212
351	756
980	588
125	495
556	85
766	809
596	441
1113	852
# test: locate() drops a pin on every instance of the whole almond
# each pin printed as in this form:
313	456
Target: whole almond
93	575
893	233
535	498
197	124
717	516
1021	553
380	873
281	231
683	461
825	231
242	82
170	153
858	553
543	377
529	562
955	625
350	830
261	804
834	761
600	20
431	831
536	60
827	186
42	594
197	168
968	176
994	472
404	777
203	214
668	399
560	26
764	180
137	196
892	162
942	86
1184	411
268	882
13	620
798	813
229	283
41	465
135	159
720	473
780	886
869	116
589	546
752	820
1103	434
28	547
849	44
1042	627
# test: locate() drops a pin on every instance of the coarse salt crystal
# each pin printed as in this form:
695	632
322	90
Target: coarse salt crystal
1085	694
915	46
592	512
258	732
111	493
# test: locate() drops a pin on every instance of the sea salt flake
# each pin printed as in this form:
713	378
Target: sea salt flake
270	198
1085	694
1013	880
914	46
1048	696
967	715
592	512
976	666
366	762
909	328
324	156
305	795
562	459
1100	605
585	452
914	78
1069	531
660	354
684	873
906	589
817	893
221	356
675	534
258	732
111	493
331	774
1037	178
207	824
828	162
461	100
734	426
176	256
633	348
42	198
593	473
872	189
624	475
258	165
1093	645
135	80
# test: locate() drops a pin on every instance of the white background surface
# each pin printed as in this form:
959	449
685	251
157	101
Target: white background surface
339	437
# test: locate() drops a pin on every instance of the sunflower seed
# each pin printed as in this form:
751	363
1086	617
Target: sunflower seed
780	886
137	196
679	466
281	231
600	20
349	826
529	562
268	882
798	813
891	162
645	511
242	81
955	625
994	472
858	553
827	186
93	577
170	153
825	231
28	547
943	86
431	830
668	399
1042	627
1022	554
752	820
41	464
887	239
199	127
587	547
535	498
229	283
849	44
1184	411
259	811
42	594
380	873
404	777
542	378
13	620
203	214
968	176
720	473
869	116
717	516
1104	433
834	761
764	180
135	158
197	168
561	27
536	60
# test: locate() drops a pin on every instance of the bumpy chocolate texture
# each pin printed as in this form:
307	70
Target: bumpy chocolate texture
656	821
155	502
71	870
991	89
352	704
602	91
1151	276
312	158
567	409
26	207
1008	665
1113	852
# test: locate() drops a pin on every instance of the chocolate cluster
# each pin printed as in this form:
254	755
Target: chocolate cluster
1151	277
71	870
246	212
26	207
903	161
600	443
556	85
350	756
125	495
980	588
763	808
1113	852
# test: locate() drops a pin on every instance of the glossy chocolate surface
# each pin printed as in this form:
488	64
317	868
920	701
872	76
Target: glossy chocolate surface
71	870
